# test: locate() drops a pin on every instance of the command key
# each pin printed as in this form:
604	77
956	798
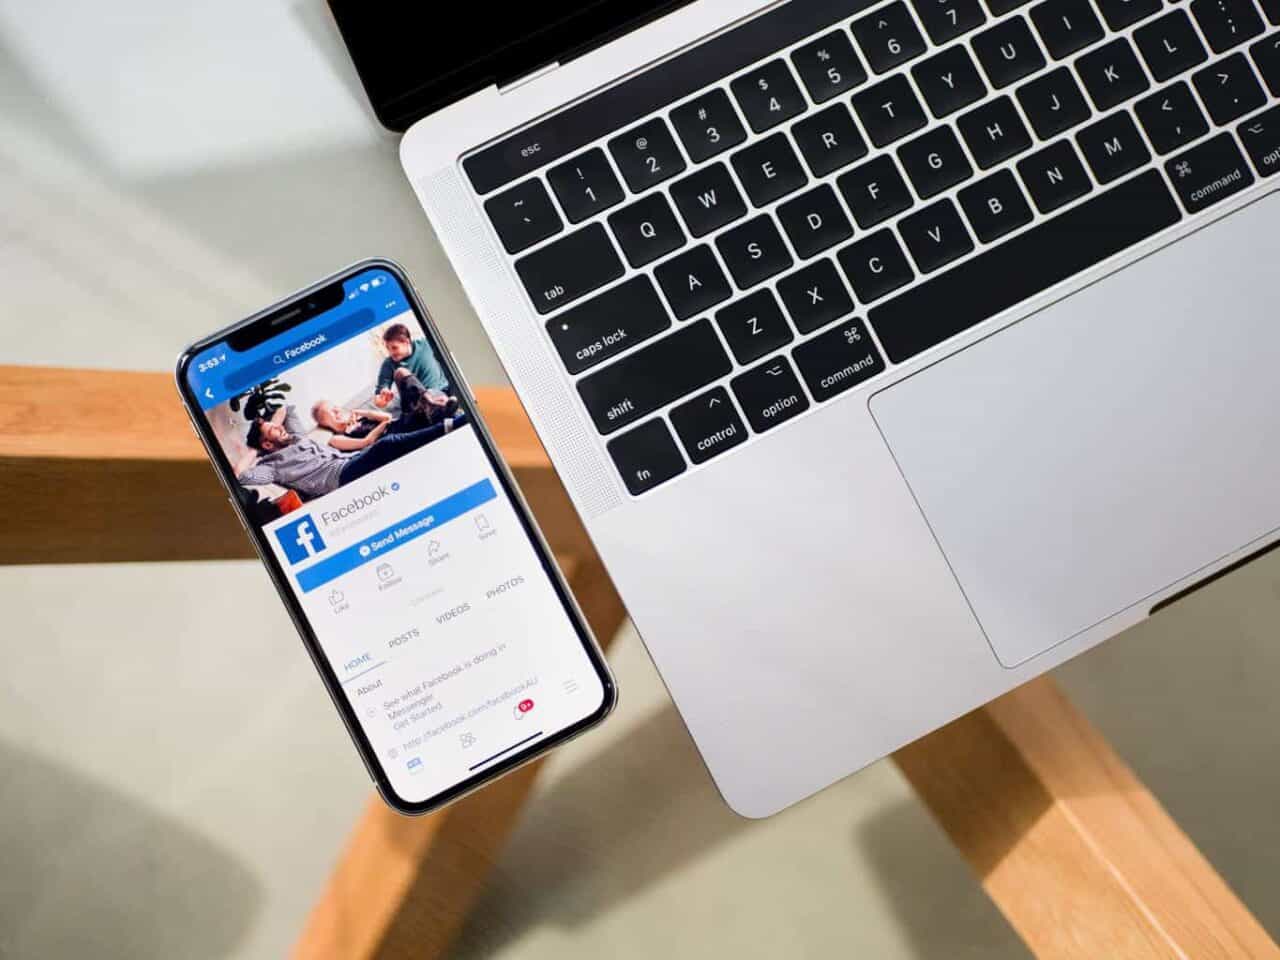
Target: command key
1208	173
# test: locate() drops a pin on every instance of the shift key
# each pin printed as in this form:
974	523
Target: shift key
654	376
570	267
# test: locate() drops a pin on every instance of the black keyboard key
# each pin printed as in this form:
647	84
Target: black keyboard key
935	161
1000	7
1261	137
708	125
888	37
708	425
949	80
1229	89
768	95
708	199
653	376
944	20
1209	172
829	140
1172	118
770	394
646	230
828	66
1272	9
1122	13
585	185
1053	103
647	155
646	457
1170	45
1039	258
995	206
1266	54
569	268
889	110
935	236
994	132
753	251
875	266
838	360
523	215
874	191
754	326
692	282
1008	52
1111	74
815	296
769	169
619	318
1066	26
1113	147
815	221
1054	176
1227	23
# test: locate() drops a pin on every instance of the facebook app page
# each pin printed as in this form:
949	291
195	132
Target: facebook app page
355	456
434	611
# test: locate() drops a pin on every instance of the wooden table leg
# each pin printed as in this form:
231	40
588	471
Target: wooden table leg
1074	850
1080	857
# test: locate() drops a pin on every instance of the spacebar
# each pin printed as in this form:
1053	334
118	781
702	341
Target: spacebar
1023	266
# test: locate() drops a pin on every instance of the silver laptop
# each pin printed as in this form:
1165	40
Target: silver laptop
893	352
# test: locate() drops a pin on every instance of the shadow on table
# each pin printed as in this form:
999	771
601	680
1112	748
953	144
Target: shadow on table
614	825
88	872
639	811
938	904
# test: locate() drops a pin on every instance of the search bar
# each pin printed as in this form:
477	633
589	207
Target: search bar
303	347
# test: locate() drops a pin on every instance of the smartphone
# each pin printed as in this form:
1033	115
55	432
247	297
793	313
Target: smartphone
356	459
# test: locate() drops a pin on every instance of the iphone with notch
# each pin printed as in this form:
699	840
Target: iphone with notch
357	460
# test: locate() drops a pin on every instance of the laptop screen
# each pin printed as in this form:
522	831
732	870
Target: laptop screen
414	59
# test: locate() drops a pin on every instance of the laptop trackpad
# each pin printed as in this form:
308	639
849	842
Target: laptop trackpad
1109	445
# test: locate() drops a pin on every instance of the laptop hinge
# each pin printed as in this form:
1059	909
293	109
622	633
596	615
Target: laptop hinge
528	77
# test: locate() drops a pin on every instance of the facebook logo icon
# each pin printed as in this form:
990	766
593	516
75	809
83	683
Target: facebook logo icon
300	540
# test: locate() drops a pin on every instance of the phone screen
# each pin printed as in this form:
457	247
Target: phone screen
427	599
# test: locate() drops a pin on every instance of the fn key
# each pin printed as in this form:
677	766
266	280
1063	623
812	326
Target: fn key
646	457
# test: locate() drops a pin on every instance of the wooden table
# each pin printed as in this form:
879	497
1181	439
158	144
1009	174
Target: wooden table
1067	842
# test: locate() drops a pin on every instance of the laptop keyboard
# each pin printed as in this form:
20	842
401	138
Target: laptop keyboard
889	178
